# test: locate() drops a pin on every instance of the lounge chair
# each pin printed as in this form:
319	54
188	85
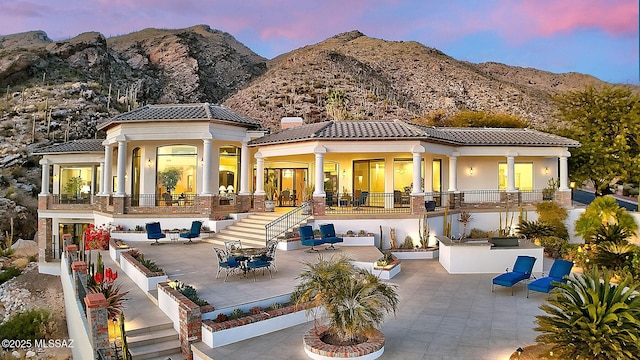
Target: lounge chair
328	235
154	232
521	271
194	232
307	238
559	270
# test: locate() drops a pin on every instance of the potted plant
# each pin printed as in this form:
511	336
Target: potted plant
307	196
169	178
74	186
354	303
270	190
549	191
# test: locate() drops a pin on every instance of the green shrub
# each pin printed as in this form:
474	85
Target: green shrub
535	229
590	318
236	314
189	292
28	325
9	273
554	215
150	264
476	233
553	246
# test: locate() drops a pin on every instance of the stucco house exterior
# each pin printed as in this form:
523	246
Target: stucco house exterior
201	161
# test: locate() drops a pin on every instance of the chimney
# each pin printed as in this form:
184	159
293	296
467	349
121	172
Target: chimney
289	122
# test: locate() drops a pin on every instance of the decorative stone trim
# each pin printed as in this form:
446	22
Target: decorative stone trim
317	349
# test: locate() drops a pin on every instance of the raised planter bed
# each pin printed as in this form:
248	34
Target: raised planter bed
387	271
316	349
116	247
141	276
416	254
358	240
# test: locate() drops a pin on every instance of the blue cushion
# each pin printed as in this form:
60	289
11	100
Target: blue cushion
524	264
560	268
542	284
509	279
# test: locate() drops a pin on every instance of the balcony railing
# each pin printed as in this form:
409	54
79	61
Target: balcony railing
368	203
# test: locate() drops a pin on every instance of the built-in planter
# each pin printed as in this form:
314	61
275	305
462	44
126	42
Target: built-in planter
116	247
358	240
416	254
141	276
287	244
316	349
388	270
216	334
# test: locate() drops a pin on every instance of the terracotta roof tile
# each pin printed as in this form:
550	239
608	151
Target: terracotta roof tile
75	146
182	112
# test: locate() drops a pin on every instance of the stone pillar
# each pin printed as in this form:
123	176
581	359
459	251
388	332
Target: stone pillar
44	188
319	205
122	166
206	166
98	321
45	238
190	327
563	198
417	204
245	169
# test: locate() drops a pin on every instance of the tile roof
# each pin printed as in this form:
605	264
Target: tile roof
396	130
75	146
182	112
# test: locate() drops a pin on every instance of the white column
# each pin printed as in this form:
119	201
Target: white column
44	188
417	174
511	173
319	174
428	175
206	166
108	165
245	169
122	166
564	173
259	174
103	186
453	172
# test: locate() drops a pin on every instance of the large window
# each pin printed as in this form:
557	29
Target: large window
176	170
228	170
368	177
523	176
77	183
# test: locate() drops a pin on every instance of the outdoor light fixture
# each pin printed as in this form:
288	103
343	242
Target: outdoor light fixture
222	189
230	189
519	351
344	172
148	162
471	171
546	171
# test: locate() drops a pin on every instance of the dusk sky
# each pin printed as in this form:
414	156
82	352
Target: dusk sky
596	37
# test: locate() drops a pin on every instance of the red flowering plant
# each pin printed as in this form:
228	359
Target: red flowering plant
106	285
96	238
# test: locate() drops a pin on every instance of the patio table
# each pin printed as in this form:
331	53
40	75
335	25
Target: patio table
246	254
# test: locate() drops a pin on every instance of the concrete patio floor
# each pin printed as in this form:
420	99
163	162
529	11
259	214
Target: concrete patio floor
440	316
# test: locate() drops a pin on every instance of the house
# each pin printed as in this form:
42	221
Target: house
198	161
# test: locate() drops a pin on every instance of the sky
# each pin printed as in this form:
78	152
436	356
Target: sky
595	37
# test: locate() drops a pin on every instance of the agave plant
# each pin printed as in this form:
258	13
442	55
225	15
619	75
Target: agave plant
535	229
614	233
615	256
355	300
590	318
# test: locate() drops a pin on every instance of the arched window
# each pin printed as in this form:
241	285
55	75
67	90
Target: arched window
176	169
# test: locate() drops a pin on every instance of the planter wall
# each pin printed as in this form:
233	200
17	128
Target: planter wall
115	251
358	240
415	254
388	271
318	350
141	276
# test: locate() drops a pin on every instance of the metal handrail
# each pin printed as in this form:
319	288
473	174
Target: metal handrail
287	221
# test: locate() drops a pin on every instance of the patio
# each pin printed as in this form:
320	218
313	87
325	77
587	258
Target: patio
441	316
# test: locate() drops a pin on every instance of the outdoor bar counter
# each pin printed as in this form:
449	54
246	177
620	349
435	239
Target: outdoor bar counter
472	256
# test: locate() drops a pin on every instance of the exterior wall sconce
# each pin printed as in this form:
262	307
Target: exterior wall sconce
149	163
546	171
344	172
471	171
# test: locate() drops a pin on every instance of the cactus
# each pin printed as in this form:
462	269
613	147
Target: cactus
506	229
99	264
446	223
423	230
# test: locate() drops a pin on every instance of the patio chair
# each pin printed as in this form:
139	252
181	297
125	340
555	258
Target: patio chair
229	264
329	201
259	263
361	199
232	245
307	238
328	235
154	232
521	271
194	232
559	270
272	247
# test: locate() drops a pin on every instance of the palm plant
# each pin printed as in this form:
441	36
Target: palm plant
355	301
590	318
615	256
535	229
603	211
612	233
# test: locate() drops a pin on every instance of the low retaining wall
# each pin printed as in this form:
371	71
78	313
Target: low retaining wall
141	276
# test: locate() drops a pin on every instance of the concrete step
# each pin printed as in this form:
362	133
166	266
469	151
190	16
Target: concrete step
173	356
154	337
240	234
153	351
149	329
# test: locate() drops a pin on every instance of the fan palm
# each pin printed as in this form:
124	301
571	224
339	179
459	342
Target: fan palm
354	300
615	256
590	318
535	229
603	211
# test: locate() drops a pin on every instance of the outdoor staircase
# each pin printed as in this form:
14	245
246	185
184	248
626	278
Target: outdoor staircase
155	343
249	230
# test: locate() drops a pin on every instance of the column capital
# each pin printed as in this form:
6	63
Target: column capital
320	149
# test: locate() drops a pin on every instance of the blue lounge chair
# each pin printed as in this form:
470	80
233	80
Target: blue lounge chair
194	232
154	232
307	238
328	235
559	270
521	271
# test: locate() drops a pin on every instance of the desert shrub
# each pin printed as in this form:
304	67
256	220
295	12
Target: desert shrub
553	246
189	292
476	233
9	273
236	314
590	318
535	229
28	325
150	264
256	310
408	243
